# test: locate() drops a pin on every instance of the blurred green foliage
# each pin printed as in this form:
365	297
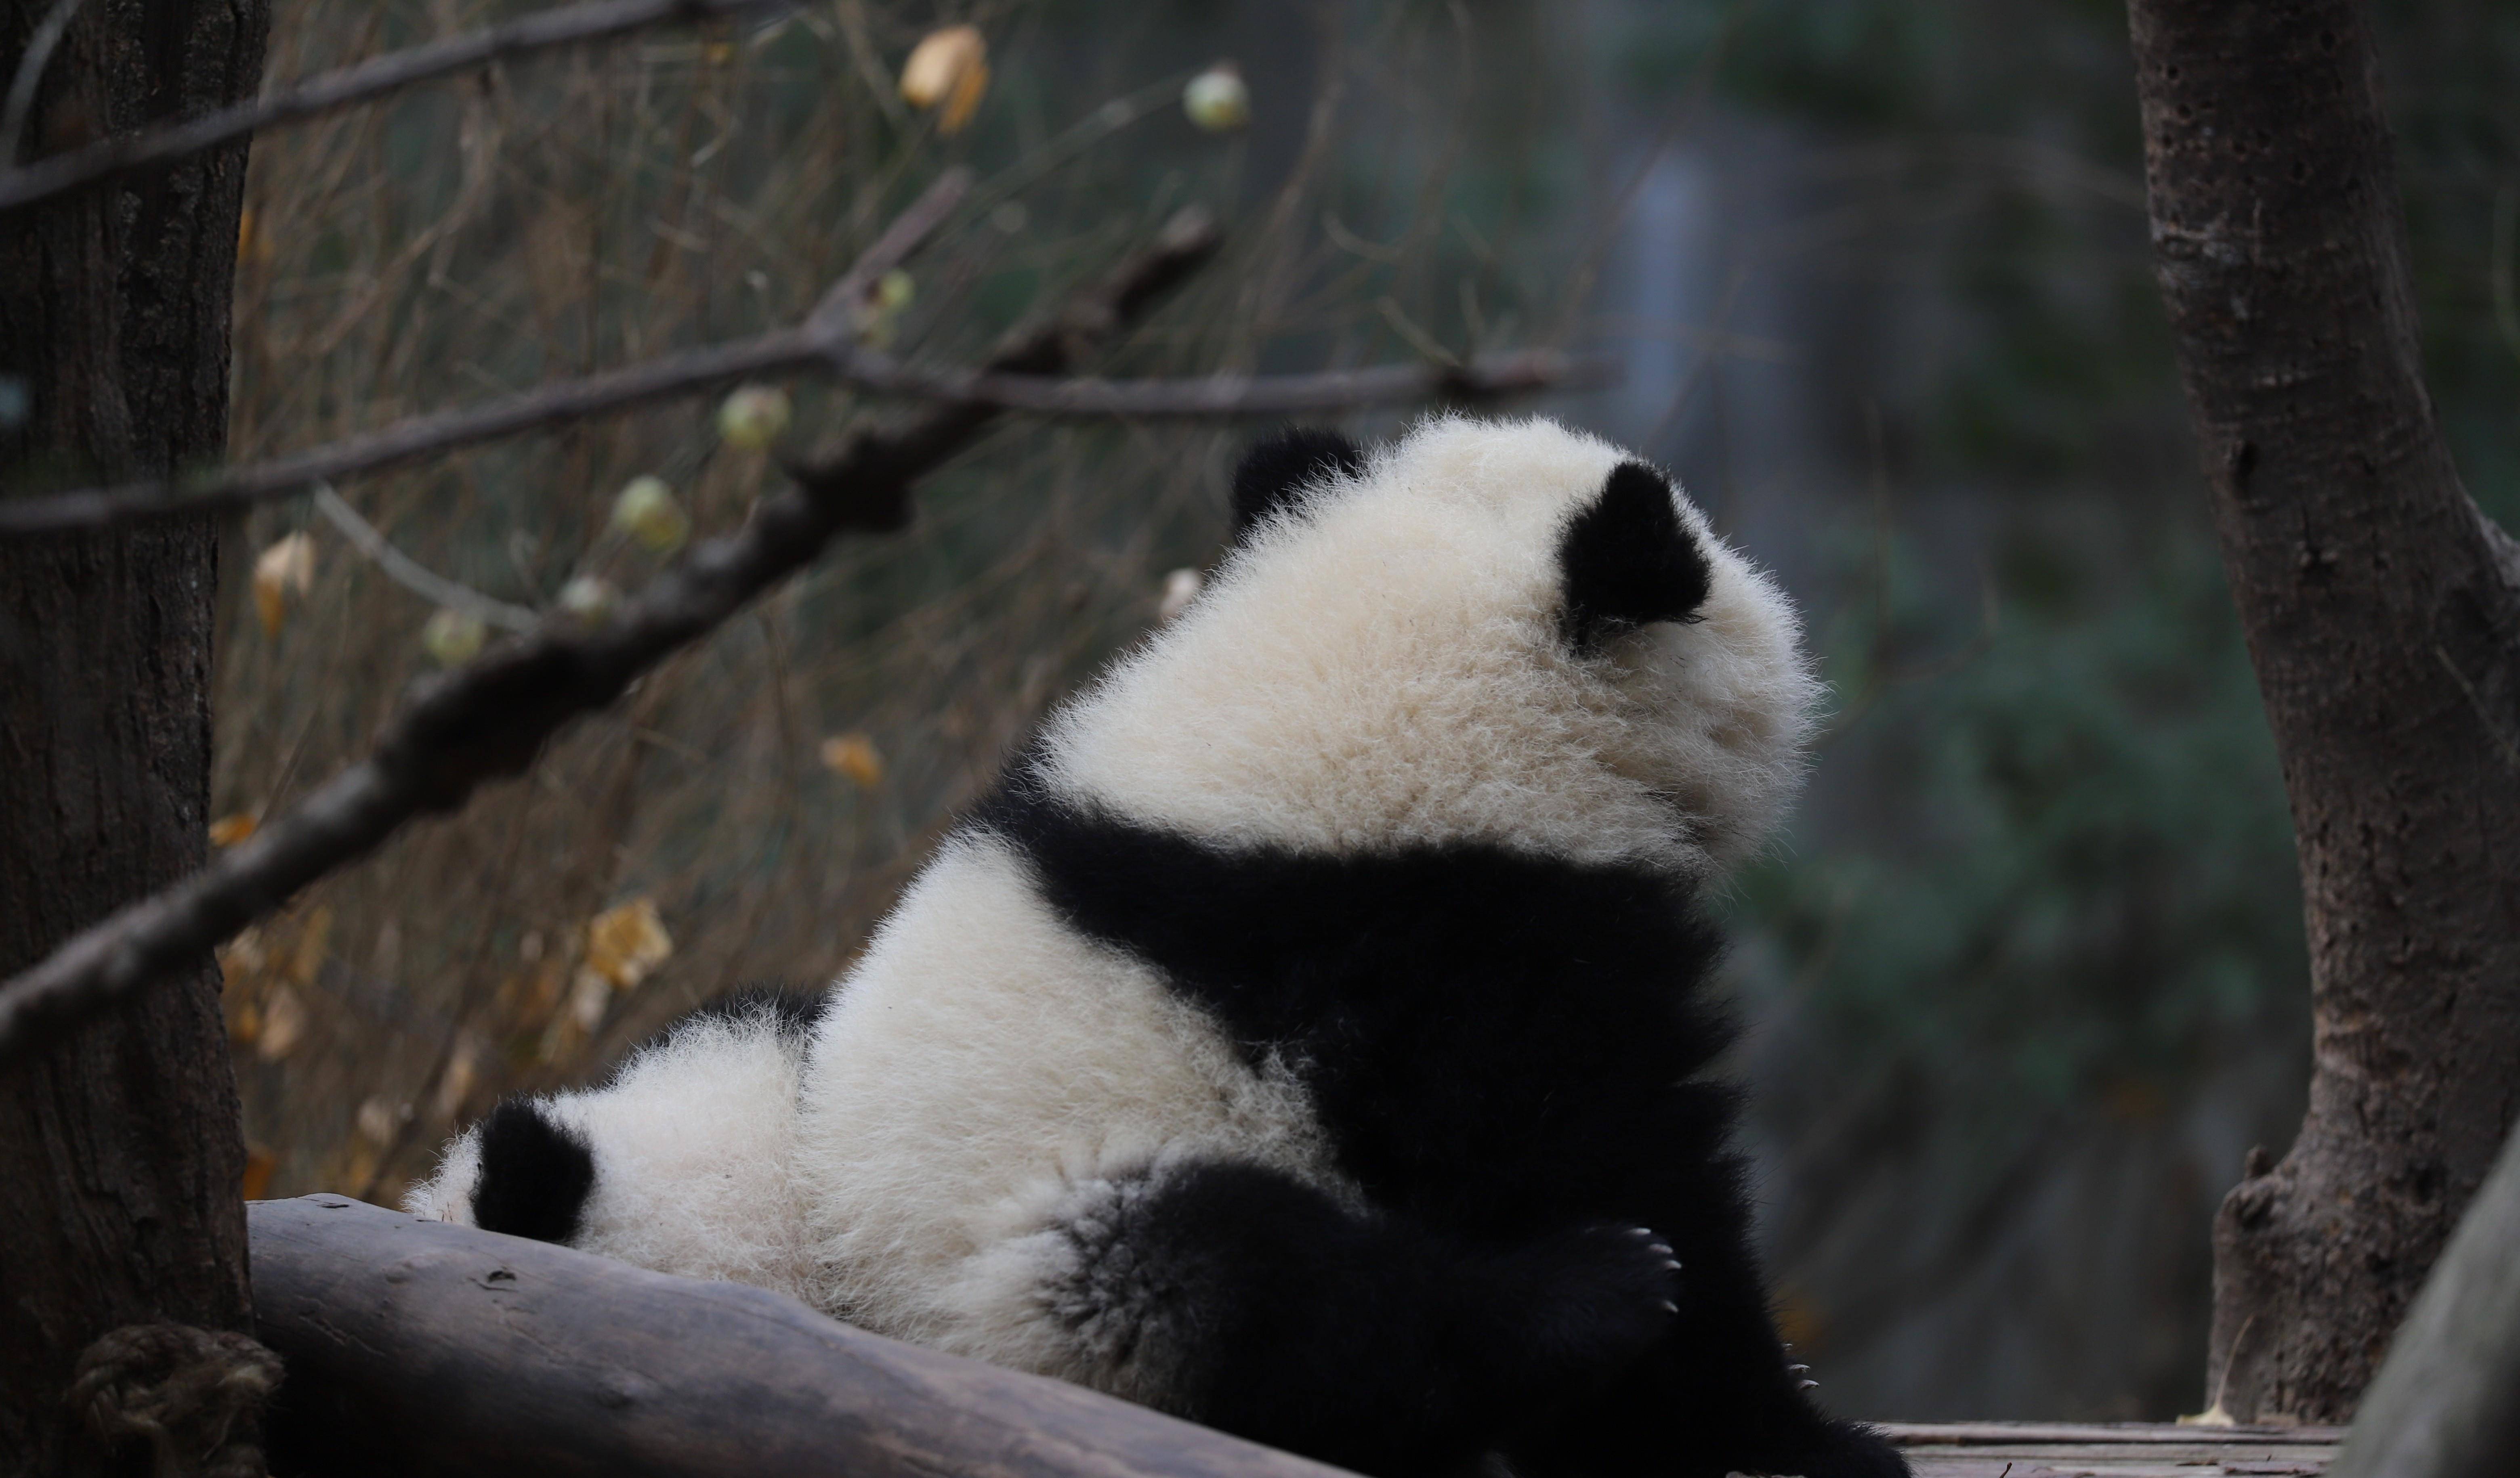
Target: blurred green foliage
2046	884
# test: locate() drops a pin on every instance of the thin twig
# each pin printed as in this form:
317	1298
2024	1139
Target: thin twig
491	717
30	76
421	436
1210	395
820	346
414	576
836	313
561	25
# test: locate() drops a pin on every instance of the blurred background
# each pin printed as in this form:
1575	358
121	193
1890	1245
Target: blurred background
2020	988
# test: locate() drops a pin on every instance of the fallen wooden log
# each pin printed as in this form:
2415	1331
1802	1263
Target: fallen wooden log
418	1347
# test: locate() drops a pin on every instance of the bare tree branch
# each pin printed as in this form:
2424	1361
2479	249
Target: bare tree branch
837	312
421	436
820	346
414	576
491	717
415	439
1234	394
561	25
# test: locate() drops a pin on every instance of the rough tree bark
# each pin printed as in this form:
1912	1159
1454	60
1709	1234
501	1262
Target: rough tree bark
2442	1405
120	1147
2383	617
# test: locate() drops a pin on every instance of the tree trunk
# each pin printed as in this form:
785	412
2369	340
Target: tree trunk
2383	624
2442	1405
120	1147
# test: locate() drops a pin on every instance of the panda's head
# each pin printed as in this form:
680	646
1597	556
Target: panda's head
1504	632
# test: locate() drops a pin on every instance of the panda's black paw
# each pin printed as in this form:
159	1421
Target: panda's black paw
1596	1298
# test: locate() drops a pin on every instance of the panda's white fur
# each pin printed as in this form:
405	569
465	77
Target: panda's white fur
992	1092
984	1074
1382	668
698	1134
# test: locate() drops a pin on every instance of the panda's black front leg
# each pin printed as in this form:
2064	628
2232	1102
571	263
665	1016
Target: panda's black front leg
1720	1394
1287	1317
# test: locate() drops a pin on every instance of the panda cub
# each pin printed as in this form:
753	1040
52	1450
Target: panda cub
1305	1036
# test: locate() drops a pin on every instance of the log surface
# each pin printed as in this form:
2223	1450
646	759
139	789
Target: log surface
419	1347
2111	1449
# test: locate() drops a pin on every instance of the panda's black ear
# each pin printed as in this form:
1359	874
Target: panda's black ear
1628	559
1276	470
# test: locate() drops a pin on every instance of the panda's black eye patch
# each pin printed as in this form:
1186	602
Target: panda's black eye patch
1276	470
1628	559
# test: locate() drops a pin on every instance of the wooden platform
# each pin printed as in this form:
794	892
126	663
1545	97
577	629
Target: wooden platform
2113	1449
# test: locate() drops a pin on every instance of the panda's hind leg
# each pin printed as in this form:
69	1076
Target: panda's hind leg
1720	1395
535	1176
1258	1304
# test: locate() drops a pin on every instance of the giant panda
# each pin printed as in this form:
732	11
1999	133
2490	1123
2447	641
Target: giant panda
1306	1036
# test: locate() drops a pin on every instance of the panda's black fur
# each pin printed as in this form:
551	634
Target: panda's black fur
535	1174
1531	1244
1508	1144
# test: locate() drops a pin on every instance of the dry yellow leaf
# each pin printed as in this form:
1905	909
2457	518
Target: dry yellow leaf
242	959
855	756
259	1163
359	1167
230	830
285	569
313	937
623	944
968	89
376	1122
588	1000
284	1025
949	66
253	244
454	1088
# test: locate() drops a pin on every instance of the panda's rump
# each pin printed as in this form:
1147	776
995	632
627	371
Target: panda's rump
679	1163
985	1071
692	1140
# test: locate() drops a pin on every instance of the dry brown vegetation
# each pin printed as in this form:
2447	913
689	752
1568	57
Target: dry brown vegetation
748	810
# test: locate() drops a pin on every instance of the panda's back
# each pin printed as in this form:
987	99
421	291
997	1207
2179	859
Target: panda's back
982	1068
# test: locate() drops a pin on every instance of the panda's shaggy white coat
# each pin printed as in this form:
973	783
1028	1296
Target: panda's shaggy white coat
1381	667
695	1152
